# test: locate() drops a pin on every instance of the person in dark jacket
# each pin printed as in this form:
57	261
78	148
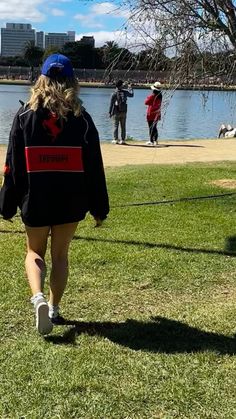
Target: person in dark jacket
54	174
118	110
153	102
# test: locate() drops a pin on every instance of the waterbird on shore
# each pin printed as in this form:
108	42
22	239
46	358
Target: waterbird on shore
227	131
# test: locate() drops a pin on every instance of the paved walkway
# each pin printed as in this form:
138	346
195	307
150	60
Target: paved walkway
167	152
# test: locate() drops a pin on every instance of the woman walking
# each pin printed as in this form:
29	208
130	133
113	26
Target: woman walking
54	174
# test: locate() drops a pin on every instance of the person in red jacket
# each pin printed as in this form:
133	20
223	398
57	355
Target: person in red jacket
153	102
54	174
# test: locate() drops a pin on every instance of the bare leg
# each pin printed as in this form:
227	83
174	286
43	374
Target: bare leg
34	261
61	236
36	271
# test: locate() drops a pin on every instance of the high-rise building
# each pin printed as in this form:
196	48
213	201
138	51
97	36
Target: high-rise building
58	40
71	36
87	40
39	39
15	37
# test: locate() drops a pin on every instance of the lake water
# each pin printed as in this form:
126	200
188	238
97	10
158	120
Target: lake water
186	114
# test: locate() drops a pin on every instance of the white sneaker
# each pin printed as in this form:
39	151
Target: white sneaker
115	141
150	143
43	322
155	142
121	142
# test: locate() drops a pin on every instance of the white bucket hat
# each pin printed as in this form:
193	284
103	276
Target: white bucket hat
156	85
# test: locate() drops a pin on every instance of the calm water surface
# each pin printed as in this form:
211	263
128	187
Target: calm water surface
186	114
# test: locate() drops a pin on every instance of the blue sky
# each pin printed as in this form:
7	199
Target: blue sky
104	20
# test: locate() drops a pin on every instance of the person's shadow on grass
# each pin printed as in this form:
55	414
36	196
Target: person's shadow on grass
160	335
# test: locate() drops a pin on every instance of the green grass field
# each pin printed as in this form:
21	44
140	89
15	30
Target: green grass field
151	307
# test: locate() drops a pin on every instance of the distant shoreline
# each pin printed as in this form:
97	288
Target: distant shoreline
135	86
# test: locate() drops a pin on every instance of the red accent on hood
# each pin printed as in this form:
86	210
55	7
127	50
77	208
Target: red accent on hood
6	169
51	125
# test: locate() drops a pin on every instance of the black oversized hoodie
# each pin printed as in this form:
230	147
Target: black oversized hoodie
54	171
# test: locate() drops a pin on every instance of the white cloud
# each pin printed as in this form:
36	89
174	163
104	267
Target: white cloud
88	21
101	37
29	11
57	12
21	9
107	8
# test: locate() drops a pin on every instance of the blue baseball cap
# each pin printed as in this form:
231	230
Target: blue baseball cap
57	65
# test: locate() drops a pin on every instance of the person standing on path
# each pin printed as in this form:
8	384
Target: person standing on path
153	115
118	110
54	174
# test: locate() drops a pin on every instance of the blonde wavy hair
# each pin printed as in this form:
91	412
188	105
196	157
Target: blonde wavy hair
59	96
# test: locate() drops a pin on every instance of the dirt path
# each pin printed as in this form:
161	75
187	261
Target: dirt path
167	152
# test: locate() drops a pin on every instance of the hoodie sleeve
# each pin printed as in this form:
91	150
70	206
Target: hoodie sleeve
13	172
129	92
94	173
149	100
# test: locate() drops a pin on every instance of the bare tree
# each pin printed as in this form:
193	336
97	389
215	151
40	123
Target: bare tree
188	31
179	19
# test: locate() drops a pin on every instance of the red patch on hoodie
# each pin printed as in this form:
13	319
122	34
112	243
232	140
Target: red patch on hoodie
51	126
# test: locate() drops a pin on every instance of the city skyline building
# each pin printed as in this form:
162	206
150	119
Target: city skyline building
15	37
58	40
39	39
87	40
